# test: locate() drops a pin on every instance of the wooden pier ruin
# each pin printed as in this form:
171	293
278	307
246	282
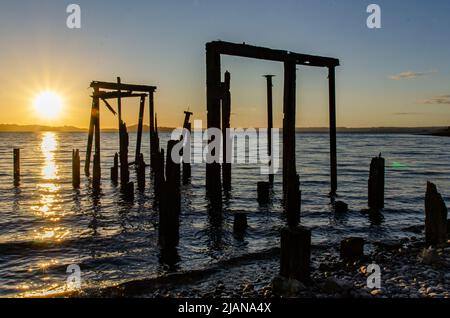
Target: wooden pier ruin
105	91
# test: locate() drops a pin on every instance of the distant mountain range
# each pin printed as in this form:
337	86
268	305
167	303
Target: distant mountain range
435	131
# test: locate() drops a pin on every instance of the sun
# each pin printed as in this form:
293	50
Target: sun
48	104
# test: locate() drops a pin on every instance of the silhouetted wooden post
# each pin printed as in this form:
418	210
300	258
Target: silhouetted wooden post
139	132
153	147
436	214
76	168
332	106
141	172
97	169
269	124
213	92
89	143
295	253
263	192
186	138
16	157
159	174
170	203
376	183
290	177
124	172
115	169
226	114
240	224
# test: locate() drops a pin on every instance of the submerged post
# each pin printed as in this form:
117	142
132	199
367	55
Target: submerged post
376	183
436	214
76	168
16	157
269	124
332	109
226	114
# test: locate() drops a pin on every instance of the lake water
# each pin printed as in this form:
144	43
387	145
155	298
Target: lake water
45	225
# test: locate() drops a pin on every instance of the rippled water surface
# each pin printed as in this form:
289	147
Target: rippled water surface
45	225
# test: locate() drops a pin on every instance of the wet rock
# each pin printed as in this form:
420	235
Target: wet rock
429	256
340	207
286	287
352	248
334	285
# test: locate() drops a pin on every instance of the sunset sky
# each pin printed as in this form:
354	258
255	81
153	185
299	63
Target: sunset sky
395	76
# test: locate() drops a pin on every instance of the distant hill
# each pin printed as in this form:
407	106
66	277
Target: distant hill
435	131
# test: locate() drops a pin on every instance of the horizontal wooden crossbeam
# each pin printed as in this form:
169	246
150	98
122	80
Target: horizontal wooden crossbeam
262	53
122	87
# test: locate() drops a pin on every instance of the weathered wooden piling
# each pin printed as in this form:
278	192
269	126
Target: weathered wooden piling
140	170
436	214
332	114
124	140
269	124
16	157
115	169
140	127
293	206
376	183
226	117
263	190
76	168
128	191
96	175
159	169
295	253
170	202
352	248
240	223
186	138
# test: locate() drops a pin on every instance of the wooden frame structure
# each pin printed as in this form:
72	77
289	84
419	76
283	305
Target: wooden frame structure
216	102
105	91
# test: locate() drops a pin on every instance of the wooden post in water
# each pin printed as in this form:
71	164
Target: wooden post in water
170	203
96	177
436	214
290	177
139	132
376	184
16	157
332	110
76	168
141	172
115	169
226	114
295	253
186	138
213	92
269	124
154	148
263	192
89	143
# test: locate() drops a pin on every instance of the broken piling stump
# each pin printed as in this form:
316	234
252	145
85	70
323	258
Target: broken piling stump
263	192
128	191
340	207
16	157
96	175
435	217
295	253
76	168
352	248
376	183
115	169
240	224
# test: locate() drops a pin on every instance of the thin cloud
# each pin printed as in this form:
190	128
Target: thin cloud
406	114
410	75
437	100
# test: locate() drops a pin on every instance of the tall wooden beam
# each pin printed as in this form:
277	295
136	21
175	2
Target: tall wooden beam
87	162
96	168
226	114
269	122
213	92
139	132
153	148
332	109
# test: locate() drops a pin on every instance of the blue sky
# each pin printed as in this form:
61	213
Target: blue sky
162	43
